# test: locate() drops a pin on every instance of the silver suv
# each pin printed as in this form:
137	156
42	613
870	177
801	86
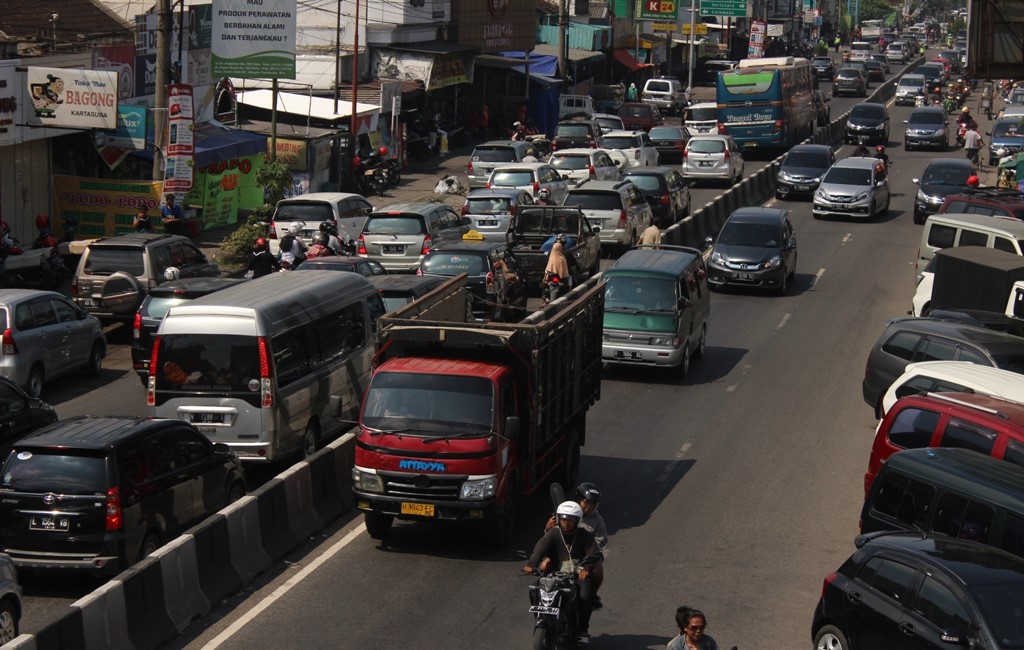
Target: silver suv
487	156
399	235
617	207
667	93
853	187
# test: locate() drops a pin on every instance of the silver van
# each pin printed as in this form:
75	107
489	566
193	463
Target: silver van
947	230
399	235
269	367
487	156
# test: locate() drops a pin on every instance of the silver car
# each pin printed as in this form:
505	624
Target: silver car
617	207
585	164
45	336
530	177
853	187
630	149
487	156
490	210
712	157
399	235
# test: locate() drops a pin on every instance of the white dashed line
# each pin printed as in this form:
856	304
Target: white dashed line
817	276
782	323
847	237
743	373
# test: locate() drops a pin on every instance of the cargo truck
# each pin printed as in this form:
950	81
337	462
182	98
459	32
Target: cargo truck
462	419
976	278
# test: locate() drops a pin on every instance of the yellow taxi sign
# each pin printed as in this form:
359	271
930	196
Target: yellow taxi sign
473	235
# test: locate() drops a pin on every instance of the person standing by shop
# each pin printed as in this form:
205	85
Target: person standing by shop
171	215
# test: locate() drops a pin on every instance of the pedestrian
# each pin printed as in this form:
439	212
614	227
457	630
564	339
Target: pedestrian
141	222
838	42
973	143
171	215
631	93
652	234
692	624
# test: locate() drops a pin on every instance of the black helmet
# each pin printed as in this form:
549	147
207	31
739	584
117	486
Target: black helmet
589	492
322	238
329	227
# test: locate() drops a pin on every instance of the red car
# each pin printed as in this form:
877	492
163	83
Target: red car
638	115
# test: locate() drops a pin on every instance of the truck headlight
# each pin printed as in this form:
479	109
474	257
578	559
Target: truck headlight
367	482
479	489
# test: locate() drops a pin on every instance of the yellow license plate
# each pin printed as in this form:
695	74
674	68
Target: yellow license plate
418	509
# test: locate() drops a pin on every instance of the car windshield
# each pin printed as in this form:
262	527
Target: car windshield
757	235
821	61
912	83
1008	130
702	114
848	176
648	183
570	161
395	224
572	130
699	145
60	473
492	205
309	212
805	159
927	117
511	179
106	260
454	263
216	363
945	176
618	142
665	133
999	604
873	112
429	404
640	294
494	154
595	200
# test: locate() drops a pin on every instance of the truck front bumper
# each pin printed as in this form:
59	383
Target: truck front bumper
424	510
641	355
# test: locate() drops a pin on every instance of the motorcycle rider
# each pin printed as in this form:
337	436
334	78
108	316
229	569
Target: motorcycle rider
588	496
881	155
557	265
320	247
973	181
519	131
293	249
333	241
862	148
569	547
261	262
544	197
965	117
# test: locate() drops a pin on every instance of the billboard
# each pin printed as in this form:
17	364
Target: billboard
254	40
496	25
81	99
180	147
102	207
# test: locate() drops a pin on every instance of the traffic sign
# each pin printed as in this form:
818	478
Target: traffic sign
699	28
660	10
724	8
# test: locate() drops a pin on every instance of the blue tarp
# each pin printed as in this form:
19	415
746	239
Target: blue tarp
539	63
214	144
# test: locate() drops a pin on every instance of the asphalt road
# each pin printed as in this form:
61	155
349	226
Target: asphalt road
736	490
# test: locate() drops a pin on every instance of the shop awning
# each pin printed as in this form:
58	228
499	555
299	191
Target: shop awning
438	64
317	108
624	57
575	55
216	143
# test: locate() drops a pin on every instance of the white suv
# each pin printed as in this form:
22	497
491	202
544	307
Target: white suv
666	93
530	177
630	148
585	164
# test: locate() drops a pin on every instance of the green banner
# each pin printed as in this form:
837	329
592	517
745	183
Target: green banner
665	11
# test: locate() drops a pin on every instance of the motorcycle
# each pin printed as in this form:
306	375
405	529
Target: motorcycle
555	286
961	132
554	601
394	169
919	100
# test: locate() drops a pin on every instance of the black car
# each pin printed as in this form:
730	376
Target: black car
850	81
98	494
361	265
399	289
869	121
942	177
876	71
670	141
927	127
755	248
577	132
914	590
664	190
155	306
802	169
497	284
823	67
934	74
20	414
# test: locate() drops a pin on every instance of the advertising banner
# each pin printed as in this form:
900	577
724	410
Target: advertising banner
81	99
101	207
220	199
495	25
757	36
131	129
180	149
659	10
10	108
291	153
119	59
253	40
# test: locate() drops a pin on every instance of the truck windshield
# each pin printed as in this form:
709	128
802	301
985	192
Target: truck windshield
640	294
428	403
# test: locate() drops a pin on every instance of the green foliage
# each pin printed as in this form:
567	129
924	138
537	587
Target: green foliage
874	9
275	179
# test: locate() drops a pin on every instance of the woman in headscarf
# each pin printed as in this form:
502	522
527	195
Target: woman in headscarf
557	264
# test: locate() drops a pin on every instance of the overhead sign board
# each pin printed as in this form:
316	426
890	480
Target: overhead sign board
724	8
254	39
660	10
83	99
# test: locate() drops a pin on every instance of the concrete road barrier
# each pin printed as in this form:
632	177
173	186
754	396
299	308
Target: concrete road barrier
145	604
179	571
104	622
218	577
245	546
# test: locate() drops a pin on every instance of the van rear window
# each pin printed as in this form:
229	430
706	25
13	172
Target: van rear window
511	179
394	225
452	264
61	473
572	161
309	212
572	130
208	363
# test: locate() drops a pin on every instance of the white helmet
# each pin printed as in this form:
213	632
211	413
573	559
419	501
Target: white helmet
295	229
172	273
569	509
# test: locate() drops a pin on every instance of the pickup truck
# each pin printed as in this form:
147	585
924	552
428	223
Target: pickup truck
534	226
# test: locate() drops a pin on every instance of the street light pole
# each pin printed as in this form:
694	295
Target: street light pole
689	62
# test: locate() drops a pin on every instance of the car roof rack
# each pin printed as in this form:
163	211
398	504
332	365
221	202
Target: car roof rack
984	409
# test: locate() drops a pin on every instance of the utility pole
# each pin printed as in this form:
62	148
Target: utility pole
355	82
689	56
337	59
163	56
563	42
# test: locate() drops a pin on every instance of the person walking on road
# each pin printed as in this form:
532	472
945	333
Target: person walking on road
692	624
651	235
973	143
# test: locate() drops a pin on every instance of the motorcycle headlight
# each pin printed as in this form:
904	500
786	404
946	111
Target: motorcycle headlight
773	263
717	258
367	482
479	489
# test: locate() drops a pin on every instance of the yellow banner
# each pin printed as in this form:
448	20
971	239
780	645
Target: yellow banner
291	153
700	29
665	27
102	207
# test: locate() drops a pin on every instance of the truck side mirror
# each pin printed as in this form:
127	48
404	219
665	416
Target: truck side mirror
512	427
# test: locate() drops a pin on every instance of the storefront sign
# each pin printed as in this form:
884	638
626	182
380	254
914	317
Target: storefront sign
131	129
254	39
121	60
757	35
495	25
102	207
239	173
180	148
291	153
82	99
10	107
448	71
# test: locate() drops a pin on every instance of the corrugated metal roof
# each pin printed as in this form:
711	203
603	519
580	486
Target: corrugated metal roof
91	18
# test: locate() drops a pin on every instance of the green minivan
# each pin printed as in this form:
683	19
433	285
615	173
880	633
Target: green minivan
656	308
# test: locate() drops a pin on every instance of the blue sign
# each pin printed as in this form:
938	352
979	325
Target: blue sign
131	128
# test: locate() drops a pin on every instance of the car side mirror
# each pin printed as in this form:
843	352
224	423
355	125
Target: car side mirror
595	229
915	181
708	242
685	303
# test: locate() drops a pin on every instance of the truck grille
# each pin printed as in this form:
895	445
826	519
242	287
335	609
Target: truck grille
423	486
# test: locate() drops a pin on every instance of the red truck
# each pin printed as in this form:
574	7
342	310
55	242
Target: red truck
461	418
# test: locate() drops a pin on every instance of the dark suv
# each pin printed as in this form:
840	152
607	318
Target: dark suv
496	282
116	273
850	81
912	590
665	191
98	494
577	132
155	306
869	121
992	201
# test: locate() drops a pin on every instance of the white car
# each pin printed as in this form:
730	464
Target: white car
630	148
954	377
922	302
530	177
859	51
585	164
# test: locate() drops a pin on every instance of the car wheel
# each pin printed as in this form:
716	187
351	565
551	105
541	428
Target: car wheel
918	218
236	492
95	363
702	344
149	546
34	383
683	368
830	637
8	622
784	283
310	440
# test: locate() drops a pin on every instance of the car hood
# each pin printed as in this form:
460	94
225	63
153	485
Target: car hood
930	127
942	190
747	254
808	172
844	190
864	121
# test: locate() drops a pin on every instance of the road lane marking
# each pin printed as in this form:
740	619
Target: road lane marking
743	373
278	593
671	465
817	276
782	323
846	238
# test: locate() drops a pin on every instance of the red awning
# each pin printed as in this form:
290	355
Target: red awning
624	57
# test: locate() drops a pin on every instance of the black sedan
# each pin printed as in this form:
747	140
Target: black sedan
867	121
802	169
876	71
755	248
942	177
361	265
918	590
670	141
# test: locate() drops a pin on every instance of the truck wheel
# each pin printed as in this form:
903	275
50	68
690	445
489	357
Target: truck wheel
378	525
503	527
571	470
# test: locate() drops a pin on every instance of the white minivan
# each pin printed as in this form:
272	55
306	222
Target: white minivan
271	367
954	377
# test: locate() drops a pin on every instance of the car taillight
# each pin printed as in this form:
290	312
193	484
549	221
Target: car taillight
536	187
622	219
469	167
74	287
151	382
114	518
273	231
266	394
487	184
554	146
686	152
721	129
465	209
137	326
663	200
512	210
426	245
727	155
593	144
779	125
829	579
592	171
361	248
8	342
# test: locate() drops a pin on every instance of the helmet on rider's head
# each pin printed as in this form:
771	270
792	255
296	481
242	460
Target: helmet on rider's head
42	221
880	148
965	110
973	181
588	492
383	151
517	124
172	273
329	227
261	244
544	194
531	152
294	229
321	238
569	510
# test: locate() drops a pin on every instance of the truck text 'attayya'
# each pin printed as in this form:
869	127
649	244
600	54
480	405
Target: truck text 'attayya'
462	418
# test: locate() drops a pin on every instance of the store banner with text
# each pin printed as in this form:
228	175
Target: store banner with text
101	207
254	40
180	149
65	97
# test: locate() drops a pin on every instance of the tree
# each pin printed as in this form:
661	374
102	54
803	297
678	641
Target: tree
276	181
